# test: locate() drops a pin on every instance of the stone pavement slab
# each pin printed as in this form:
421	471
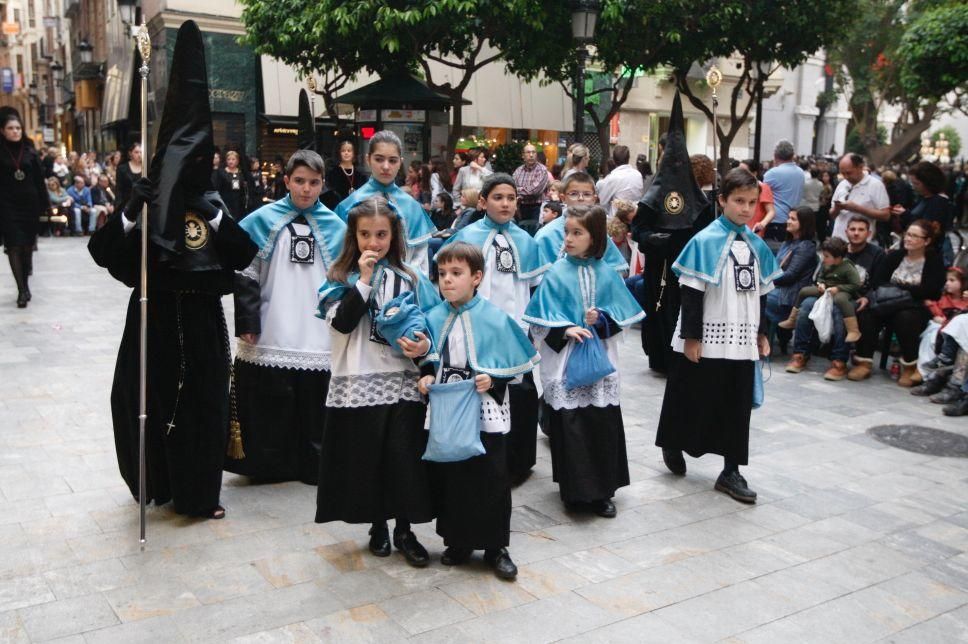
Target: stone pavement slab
851	540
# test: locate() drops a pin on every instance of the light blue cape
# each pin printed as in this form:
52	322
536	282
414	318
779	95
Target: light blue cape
416	223
573	286
704	257
551	245
495	344
482	233
332	292
264	225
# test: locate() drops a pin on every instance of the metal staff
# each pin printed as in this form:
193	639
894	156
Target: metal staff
713	78
144	48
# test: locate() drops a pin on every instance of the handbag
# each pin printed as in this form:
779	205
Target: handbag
400	318
588	363
886	300
455	422
821	316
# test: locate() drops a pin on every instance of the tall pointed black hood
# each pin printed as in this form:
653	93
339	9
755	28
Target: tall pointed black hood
182	163
307	126
674	197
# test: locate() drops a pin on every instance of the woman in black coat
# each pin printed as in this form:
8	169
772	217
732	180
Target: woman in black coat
918	269
23	197
798	259
127	173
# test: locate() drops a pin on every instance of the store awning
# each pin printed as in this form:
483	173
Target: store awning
397	91
117	85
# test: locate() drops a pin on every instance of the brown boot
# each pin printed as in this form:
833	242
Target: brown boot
790	322
909	374
861	371
837	371
853	331
797	363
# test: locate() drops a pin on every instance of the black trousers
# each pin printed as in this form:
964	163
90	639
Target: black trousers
907	325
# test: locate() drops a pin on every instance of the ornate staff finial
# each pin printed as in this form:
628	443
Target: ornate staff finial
311	83
144	43
713	78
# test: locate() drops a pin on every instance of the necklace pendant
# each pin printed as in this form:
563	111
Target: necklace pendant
19	174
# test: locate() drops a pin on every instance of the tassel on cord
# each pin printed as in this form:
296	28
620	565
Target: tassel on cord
234	450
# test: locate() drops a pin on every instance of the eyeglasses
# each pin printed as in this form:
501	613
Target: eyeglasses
581	196
915	235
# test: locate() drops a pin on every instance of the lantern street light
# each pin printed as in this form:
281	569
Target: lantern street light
86	50
584	18
128	9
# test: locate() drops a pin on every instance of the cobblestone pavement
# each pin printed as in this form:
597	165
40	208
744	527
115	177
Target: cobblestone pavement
852	541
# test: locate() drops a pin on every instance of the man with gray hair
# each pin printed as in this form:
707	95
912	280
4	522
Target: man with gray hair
786	180
282	364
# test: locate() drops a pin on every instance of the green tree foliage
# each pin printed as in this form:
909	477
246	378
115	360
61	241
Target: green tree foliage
347	36
913	54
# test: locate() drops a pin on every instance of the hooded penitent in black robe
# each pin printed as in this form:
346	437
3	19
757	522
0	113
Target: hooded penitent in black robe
190	266
671	212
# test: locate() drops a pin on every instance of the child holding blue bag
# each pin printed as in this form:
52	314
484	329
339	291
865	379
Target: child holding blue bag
371	468
477	348
724	272
513	267
576	314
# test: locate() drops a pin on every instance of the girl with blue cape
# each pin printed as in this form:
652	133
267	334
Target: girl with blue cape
582	292
373	440
282	364
512	268
551	237
474	339
384	156
724	272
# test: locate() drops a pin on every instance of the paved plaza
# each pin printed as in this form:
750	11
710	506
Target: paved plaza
851	541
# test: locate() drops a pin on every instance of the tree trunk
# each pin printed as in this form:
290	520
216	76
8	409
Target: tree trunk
453	134
887	153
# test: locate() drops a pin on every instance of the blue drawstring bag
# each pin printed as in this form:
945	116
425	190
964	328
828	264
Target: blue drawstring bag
455	422
401	317
759	393
588	363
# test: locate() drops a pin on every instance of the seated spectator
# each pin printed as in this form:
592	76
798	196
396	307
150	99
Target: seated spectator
80	194
468	208
797	257
840	280
947	384
954	299
918	269
102	196
553	193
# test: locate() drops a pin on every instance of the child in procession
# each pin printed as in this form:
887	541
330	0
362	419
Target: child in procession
473	338
512	269
582	292
371	468
577	189
384	157
724	272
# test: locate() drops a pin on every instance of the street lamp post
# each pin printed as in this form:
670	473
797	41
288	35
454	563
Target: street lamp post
584	17
128	9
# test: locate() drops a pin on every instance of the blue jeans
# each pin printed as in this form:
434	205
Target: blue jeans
805	338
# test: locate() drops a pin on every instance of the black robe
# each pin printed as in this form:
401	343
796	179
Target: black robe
187	427
21	202
661	304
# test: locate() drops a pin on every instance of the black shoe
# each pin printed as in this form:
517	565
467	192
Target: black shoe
937	362
930	387
958	408
947	395
604	508
735	485
415	553
380	541
22	300
27	293
674	461
455	556
501	562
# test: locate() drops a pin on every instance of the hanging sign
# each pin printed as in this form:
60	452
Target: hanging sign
6	80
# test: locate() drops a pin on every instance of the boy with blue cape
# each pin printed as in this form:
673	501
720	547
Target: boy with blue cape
724	272
577	188
512	268
384	157
580	300
282	366
474	340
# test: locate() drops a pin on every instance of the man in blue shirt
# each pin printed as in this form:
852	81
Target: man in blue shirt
786	180
81	196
